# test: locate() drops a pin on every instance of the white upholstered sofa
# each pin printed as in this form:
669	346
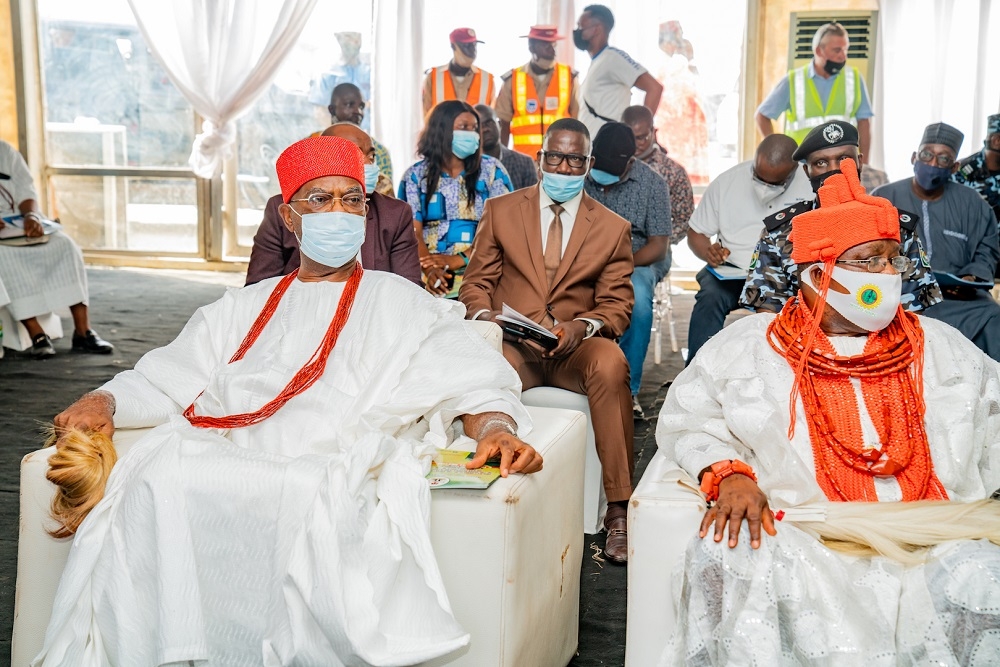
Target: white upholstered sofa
520	603
664	514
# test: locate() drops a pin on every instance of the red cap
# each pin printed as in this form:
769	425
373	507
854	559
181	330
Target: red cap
546	33
317	157
464	36
846	217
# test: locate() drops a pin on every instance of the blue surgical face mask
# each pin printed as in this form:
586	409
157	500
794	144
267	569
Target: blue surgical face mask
562	187
603	177
332	238
930	177
371	177
464	143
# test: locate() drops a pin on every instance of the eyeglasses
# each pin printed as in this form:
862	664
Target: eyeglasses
640	138
941	160
575	160
321	201
878	264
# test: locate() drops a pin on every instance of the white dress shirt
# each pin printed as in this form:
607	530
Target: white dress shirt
568	217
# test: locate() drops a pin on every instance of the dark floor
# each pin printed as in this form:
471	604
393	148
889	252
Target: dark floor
138	311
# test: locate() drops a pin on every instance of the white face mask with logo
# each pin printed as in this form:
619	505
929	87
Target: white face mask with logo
871	301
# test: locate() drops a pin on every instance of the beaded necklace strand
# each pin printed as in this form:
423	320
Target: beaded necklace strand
890	372
305	377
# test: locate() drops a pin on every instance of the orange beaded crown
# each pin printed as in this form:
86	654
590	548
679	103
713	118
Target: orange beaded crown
847	217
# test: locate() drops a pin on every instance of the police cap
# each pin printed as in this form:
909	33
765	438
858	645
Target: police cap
828	135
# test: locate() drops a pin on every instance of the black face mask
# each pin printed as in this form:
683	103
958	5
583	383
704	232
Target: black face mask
832	68
817	181
578	40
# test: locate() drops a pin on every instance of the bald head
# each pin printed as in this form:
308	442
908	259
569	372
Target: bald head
485	111
355	135
773	161
637	114
489	127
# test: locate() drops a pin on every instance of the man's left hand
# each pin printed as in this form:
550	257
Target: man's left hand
570	336
32	225
515	454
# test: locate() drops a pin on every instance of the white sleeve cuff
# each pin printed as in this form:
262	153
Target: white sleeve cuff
597	325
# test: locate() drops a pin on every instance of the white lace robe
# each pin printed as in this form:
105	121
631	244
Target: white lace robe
793	601
303	539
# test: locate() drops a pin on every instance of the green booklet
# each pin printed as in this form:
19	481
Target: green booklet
448	471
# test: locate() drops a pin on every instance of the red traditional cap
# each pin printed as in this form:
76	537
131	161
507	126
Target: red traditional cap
317	157
464	36
847	217
546	33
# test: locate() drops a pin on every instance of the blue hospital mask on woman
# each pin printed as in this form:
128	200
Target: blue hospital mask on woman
332	238
371	177
464	143
562	187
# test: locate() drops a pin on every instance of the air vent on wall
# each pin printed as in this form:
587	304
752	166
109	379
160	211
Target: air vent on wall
861	26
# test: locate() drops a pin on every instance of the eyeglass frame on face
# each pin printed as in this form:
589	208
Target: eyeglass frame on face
568	157
872	263
927	157
363	210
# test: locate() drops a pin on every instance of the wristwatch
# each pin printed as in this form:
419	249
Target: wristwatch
591	329
718	472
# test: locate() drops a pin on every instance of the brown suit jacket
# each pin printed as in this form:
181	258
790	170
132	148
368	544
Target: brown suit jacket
390	243
506	264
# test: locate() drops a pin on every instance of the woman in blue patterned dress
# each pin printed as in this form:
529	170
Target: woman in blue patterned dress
447	190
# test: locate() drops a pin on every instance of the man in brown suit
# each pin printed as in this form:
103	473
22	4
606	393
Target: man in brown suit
563	260
390	242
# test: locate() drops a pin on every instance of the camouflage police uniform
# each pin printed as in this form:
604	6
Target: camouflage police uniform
972	172
773	280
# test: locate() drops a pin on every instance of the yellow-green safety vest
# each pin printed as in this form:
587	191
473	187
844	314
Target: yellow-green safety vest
806	110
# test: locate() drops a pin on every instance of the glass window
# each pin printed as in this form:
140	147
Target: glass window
695	51
112	116
128	213
108	102
295	106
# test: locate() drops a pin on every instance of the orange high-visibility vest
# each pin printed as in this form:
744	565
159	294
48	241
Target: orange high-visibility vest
533	113
443	89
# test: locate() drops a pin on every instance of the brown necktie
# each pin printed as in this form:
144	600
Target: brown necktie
553	244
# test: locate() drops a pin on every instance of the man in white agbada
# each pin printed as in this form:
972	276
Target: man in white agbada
49	274
279	512
861	433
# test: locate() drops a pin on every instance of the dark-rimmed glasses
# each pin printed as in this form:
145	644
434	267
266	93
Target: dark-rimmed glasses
554	159
943	161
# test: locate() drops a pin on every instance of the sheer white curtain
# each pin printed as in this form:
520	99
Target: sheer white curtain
397	75
221	55
935	63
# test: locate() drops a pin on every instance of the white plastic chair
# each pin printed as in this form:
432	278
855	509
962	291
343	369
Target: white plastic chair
663	307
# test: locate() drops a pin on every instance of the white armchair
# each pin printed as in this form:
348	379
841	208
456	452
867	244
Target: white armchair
520	603
664	514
